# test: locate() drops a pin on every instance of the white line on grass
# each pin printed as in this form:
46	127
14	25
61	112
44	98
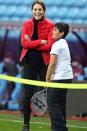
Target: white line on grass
19	121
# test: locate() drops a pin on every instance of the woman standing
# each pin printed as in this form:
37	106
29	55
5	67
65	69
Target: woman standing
36	40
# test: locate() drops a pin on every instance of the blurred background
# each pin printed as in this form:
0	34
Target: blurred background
12	15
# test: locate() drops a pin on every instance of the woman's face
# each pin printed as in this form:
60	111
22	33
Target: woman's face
56	34
38	11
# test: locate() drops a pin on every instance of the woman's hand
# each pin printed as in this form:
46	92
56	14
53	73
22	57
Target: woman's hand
26	36
43	41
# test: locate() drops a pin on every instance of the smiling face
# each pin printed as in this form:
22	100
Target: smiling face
56	34
38	11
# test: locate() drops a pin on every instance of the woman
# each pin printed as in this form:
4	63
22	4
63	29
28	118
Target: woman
59	70
36	40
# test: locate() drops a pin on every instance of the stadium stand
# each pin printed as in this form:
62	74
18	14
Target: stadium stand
59	9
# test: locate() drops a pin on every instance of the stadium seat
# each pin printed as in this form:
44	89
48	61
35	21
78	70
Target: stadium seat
9	2
83	3
72	12
76	21
3	86
80	78
15	18
61	12
13	33
72	37
23	11
16	2
51	11
2	2
85	21
49	2
82	13
58	2
2	10
83	35
2	33
10	10
1	67
16	94
13	11
67	20
55	20
13	105
20	2
69	3
4	18
26	2
24	18
85	71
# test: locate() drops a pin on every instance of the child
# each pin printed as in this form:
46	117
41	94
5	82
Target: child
59	70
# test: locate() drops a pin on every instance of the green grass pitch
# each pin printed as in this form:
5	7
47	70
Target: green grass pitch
9	122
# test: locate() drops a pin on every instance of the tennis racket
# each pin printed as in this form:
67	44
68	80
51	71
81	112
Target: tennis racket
38	103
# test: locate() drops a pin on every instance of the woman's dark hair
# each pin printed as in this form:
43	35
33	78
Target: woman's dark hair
40	3
63	27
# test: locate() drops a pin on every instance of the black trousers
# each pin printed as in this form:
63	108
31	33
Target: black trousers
57	107
31	71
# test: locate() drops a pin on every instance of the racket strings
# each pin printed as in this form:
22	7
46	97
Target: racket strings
39	103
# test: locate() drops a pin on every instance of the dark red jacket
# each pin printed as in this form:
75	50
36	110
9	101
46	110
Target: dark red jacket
45	28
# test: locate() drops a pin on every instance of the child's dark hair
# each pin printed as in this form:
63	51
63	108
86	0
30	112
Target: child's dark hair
63	27
39	2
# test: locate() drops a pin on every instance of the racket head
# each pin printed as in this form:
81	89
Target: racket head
38	103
